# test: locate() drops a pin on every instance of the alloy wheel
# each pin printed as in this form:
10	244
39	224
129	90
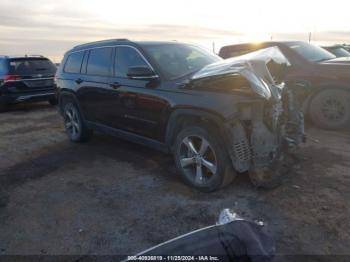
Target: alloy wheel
198	159
71	121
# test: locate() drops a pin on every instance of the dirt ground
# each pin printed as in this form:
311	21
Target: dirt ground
114	197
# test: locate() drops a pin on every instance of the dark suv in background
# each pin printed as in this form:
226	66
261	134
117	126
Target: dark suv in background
337	50
324	78
26	78
216	117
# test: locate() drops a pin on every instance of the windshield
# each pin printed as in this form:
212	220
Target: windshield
340	52
31	66
177	60
311	52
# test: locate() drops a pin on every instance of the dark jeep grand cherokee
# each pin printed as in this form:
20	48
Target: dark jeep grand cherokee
216	117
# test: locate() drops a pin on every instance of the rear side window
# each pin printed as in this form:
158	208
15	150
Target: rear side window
31	66
100	62
73	63
127	57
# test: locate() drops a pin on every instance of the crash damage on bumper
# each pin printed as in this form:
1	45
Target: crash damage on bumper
267	127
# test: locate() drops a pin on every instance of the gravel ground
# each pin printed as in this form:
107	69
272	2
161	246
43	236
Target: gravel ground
114	197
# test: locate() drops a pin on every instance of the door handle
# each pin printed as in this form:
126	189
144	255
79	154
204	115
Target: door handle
79	81
115	85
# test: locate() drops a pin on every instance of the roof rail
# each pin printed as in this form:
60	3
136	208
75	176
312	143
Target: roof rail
33	55
102	41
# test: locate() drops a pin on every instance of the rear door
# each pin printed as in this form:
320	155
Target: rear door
31	74
94	81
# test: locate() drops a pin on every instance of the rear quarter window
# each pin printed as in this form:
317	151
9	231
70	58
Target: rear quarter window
73	63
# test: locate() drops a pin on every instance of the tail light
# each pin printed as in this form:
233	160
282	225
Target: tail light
9	78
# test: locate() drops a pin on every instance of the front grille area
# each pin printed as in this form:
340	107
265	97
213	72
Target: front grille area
242	150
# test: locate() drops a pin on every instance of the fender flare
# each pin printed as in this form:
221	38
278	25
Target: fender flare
70	94
172	122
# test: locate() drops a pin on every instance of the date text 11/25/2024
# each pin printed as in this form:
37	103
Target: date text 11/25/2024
173	258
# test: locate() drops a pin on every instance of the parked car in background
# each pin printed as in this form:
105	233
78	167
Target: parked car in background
26	78
324	78
338	50
216	117
346	47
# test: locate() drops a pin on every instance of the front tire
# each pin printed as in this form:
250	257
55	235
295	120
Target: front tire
202	160
74	124
330	109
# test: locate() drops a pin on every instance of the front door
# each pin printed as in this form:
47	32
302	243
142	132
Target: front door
137	102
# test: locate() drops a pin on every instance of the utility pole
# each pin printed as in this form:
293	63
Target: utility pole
214	47
310	35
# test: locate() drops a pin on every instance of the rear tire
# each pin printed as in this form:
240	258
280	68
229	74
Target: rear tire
74	124
330	109
202	160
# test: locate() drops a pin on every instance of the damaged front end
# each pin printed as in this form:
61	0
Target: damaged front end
266	127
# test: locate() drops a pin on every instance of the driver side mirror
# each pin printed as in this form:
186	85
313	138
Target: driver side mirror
142	73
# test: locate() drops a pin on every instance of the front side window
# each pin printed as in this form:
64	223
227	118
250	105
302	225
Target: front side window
311	52
100	62
127	57
73	63
178	60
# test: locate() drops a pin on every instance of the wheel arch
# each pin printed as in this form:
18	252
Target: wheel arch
66	93
182	117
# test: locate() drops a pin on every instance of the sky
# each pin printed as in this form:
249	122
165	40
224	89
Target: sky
51	27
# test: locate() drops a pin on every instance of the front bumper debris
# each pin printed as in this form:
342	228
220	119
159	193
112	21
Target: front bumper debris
261	139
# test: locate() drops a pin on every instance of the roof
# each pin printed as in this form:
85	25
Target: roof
267	43
100	43
119	41
146	43
21	56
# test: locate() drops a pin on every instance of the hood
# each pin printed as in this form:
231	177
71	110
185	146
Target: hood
264	70
339	60
334	68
